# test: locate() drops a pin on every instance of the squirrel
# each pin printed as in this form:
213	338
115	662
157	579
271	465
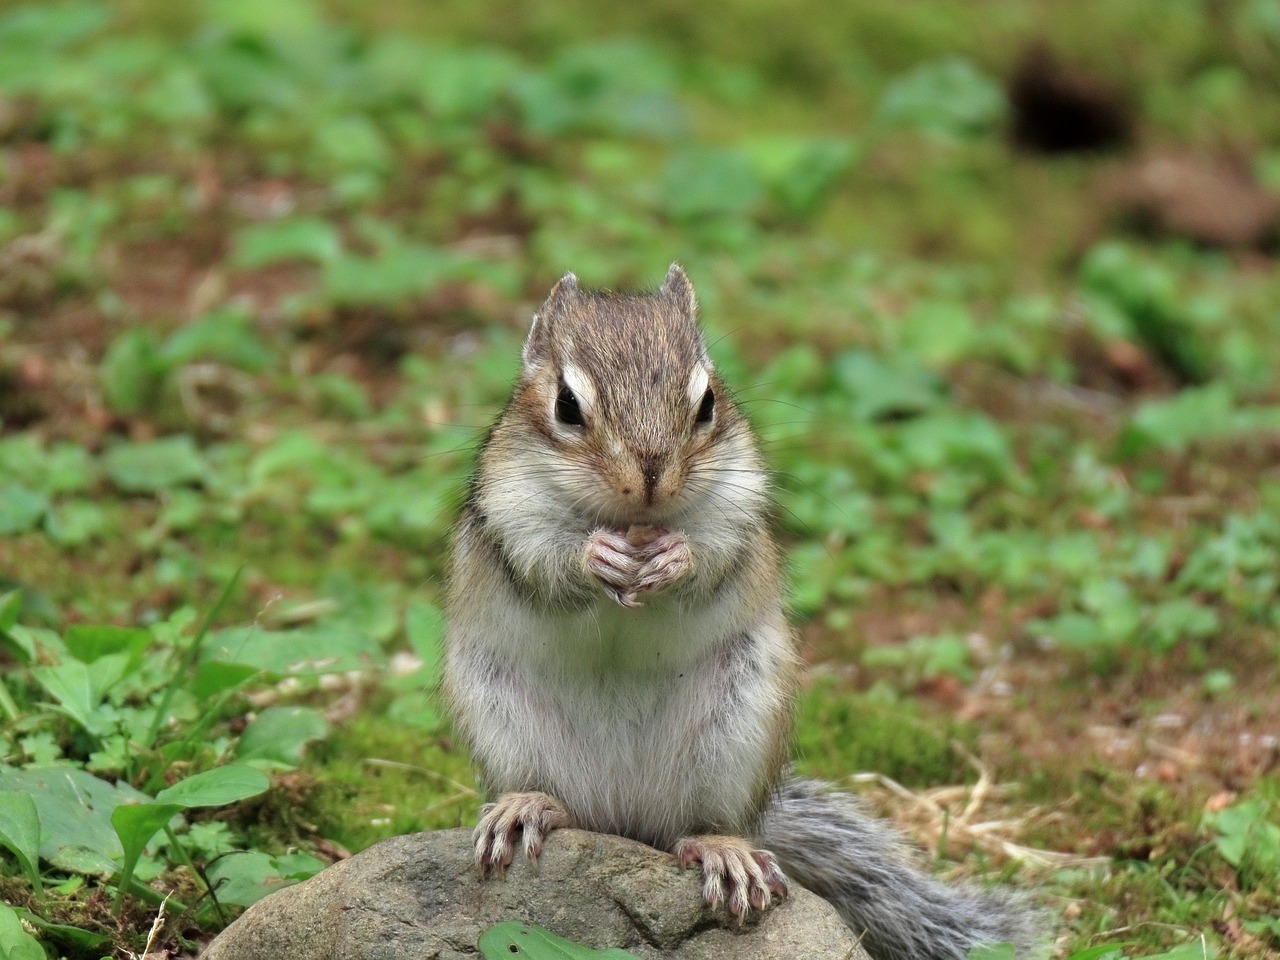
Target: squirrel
617	656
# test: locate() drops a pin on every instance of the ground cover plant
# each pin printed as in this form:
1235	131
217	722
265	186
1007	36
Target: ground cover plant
996	282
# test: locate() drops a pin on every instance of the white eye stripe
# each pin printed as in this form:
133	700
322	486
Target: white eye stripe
698	384
582	388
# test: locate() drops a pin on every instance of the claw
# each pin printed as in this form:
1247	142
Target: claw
532	815
625	598
775	881
733	873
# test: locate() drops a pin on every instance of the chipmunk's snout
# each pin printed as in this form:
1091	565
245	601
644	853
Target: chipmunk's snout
646	482
651	469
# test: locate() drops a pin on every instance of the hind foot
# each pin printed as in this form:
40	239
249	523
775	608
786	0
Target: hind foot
524	818
733	873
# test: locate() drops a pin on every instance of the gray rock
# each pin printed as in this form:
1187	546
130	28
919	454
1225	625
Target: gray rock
419	896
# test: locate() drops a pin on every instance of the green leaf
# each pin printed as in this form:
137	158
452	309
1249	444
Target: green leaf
925	656
1101	950
65	468
15	942
243	878
1146	294
132	372
53	27
73	523
153	465
10	604
135	824
64	933
1267	926
329	646
1217	683
217	787
213	677
458	83
1247	837
622	87
292	454
1181	618
1194	415
394	275
993	951
226	335
513	939
210	838
1073	630
20	832
21	509
75	809
703	182
967	439
299	238
256	19
339	395
1194	950
88	643
373	607
79	690
799	172
352	142
882	387
279	735
950	98
939	331
298	865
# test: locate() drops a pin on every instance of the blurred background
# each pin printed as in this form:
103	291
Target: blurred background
995	280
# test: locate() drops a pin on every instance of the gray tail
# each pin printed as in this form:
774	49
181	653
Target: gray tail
828	843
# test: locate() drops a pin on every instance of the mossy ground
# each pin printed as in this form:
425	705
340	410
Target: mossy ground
1026	448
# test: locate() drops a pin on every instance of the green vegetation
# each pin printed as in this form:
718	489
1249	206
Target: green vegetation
264	271
503	939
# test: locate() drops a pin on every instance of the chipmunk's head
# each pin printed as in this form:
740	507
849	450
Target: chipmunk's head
619	390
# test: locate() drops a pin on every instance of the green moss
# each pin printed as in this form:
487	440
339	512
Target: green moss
840	732
380	778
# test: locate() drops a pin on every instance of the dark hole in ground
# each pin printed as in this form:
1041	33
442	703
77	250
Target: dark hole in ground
1061	108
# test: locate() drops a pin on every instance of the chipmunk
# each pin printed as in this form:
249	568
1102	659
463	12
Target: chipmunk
617	655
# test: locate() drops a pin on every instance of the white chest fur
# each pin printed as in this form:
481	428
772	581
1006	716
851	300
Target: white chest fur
645	722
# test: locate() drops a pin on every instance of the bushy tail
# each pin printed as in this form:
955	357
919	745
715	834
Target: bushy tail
828	843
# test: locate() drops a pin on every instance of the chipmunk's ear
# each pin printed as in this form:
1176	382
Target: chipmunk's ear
678	290
536	344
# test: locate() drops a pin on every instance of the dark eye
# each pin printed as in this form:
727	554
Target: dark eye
567	408
707	406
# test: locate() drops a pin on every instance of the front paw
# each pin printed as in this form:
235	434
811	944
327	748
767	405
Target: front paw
526	817
667	560
733	873
611	558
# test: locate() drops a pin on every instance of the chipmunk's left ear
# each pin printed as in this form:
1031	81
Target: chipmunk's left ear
679	290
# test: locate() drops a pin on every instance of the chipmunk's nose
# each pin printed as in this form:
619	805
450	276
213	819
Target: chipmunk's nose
651	469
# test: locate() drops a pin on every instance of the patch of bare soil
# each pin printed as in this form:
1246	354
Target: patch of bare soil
49	374
1212	200
157	278
1145	720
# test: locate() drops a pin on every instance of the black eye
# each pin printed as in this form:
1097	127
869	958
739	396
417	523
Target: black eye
567	408
707	406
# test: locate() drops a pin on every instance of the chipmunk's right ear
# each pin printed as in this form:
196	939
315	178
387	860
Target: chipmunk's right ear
679	289
536	344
